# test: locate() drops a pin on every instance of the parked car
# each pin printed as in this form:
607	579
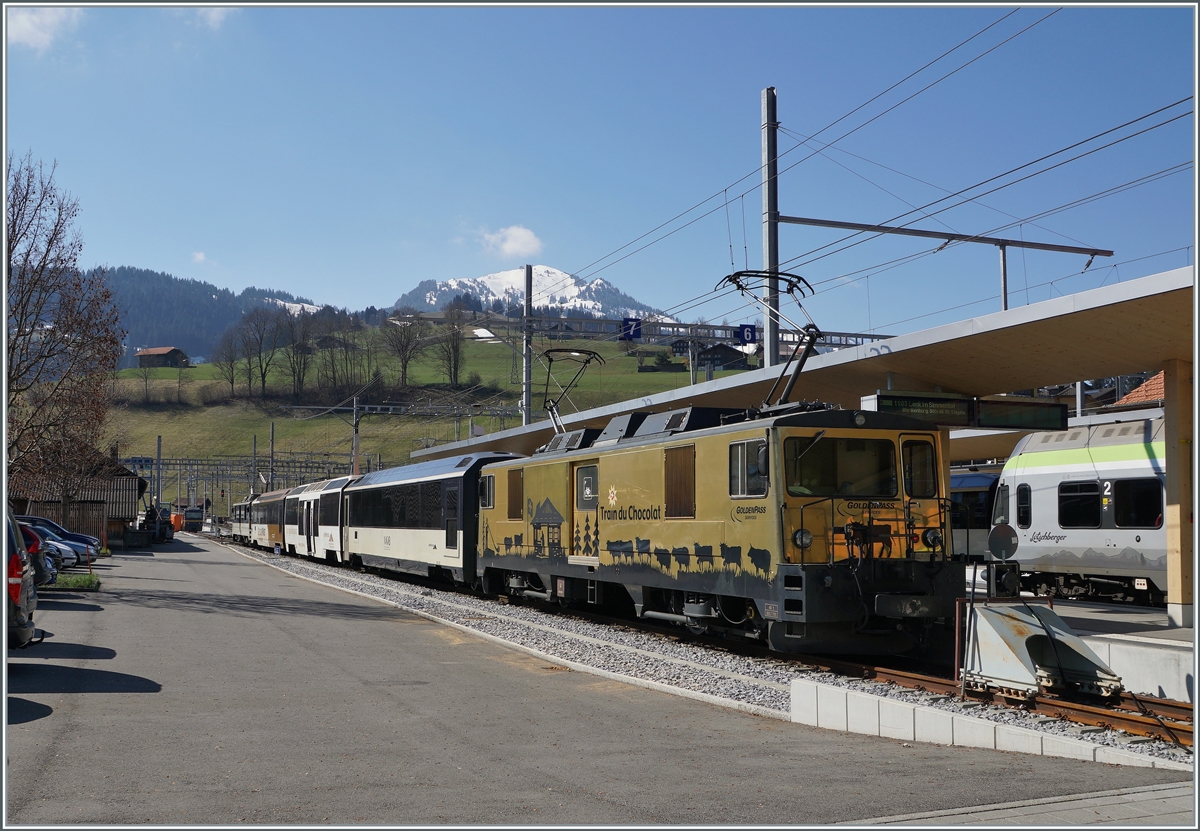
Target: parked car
62	554
42	522
36	547
84	552
22	596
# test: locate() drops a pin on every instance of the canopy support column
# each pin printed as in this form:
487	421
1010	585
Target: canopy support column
1180	520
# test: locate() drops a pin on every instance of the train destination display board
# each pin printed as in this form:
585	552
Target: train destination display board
950	410
1020	415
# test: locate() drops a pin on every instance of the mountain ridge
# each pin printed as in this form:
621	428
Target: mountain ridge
504	292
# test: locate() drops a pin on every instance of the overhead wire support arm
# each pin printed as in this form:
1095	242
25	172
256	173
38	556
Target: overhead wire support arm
945	235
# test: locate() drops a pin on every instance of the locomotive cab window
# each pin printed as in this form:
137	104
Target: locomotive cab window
487	491
1138	503
1079	505
820	466
920	469
745	477
1000	512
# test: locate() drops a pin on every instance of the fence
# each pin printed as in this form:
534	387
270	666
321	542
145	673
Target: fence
82	517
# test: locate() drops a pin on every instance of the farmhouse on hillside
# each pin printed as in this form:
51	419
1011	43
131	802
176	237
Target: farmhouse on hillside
162	356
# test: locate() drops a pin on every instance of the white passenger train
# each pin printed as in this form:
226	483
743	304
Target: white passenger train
1087	506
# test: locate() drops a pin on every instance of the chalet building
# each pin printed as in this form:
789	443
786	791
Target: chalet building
168	356
721	357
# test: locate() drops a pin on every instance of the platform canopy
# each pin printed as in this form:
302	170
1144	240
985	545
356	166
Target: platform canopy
1135	326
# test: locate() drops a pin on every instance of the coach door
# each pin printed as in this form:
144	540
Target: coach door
309	521
583	542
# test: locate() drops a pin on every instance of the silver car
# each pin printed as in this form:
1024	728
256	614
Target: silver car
84	552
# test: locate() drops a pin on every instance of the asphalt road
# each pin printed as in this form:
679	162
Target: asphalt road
200	686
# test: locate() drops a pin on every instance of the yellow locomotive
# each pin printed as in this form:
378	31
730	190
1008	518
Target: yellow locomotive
818	531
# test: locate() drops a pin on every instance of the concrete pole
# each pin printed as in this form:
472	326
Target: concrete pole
770	197
271	475
1178	418
527	351
253	462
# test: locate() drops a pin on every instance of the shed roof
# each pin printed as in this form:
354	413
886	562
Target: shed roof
158	350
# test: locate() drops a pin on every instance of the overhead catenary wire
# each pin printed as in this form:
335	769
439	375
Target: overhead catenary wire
998	187
758	170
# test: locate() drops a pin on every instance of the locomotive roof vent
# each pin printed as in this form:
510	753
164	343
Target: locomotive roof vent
620	427
679	421
575	440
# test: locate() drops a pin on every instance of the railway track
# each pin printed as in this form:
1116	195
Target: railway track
1169	721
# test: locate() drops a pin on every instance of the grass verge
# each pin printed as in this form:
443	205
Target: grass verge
76	581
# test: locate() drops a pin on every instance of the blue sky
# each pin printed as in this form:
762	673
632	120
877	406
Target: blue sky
345	154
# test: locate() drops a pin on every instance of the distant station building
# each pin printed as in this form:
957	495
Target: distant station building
157	356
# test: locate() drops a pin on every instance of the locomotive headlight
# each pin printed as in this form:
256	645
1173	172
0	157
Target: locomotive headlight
802	538
932	537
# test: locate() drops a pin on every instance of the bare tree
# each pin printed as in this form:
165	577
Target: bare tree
64	334
261	337
405	337
296	339
449	344
226	356
145	372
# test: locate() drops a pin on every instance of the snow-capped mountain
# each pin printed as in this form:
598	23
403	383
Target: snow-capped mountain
551	287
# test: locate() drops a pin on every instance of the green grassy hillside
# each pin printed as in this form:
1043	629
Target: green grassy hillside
196	416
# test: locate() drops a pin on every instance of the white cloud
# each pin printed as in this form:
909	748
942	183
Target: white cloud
38	27
198	257
513	241
214	17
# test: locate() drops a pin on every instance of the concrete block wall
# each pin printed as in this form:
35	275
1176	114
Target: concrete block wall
1162	669
837	708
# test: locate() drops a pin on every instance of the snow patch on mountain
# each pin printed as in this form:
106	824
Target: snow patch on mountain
294	308
573	296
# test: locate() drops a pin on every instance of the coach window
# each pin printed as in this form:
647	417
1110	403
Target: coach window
1024	506
1079	505
745	478
1138	503
327	509
679	481
920	469
487	491
1000	512
516	494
